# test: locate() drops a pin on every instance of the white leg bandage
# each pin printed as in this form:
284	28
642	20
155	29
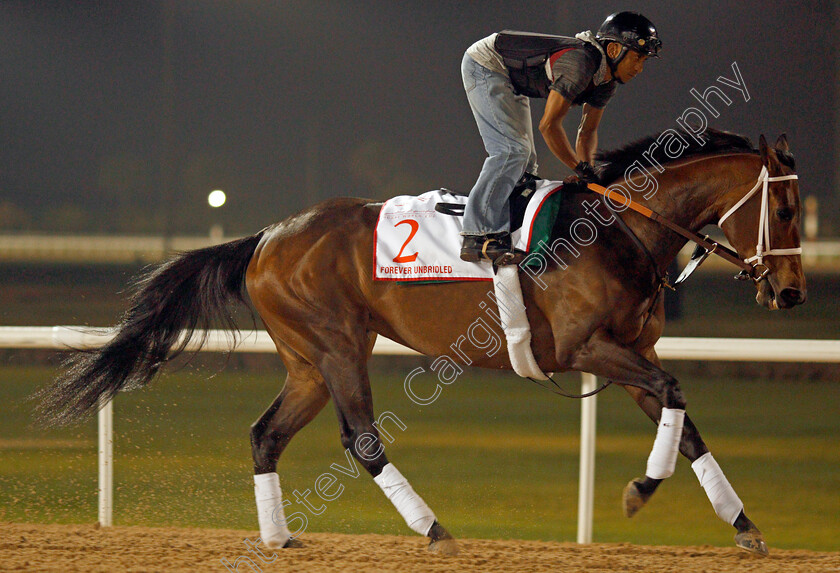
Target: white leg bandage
273	529
411	506
726	502
666	446
515	322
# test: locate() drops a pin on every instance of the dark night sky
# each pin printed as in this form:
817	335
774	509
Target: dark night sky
282	104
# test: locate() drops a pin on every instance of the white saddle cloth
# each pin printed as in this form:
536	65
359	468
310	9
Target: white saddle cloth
413	242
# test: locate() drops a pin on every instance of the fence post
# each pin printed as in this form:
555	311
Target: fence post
106	462
586	487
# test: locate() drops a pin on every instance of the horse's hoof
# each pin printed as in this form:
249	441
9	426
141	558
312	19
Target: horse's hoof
289	543
280	543
444	547
441	541
753	541
632	499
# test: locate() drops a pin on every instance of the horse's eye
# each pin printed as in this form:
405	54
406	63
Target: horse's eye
784	214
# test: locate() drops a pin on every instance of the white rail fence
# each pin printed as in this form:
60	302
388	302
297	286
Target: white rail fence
816	254
728	349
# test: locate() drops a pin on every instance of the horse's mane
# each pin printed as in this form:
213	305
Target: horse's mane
613	164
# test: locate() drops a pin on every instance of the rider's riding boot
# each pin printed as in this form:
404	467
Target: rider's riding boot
496	247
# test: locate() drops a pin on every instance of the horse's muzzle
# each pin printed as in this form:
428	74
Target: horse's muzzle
790	297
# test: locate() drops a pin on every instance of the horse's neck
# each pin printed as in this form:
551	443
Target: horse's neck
691	194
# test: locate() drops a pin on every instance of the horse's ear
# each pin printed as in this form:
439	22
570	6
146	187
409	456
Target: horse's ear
763	150
782	143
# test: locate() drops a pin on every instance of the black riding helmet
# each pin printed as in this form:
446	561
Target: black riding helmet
633	31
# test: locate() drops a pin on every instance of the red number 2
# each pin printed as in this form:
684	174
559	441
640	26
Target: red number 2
400	258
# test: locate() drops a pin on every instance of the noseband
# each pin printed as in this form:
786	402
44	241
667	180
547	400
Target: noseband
763	182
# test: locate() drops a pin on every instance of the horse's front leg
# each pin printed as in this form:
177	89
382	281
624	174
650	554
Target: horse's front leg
725	501
602	355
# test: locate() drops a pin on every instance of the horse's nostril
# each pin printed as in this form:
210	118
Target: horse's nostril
792	296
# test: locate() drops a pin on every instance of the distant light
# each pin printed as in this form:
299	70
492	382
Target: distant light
216	198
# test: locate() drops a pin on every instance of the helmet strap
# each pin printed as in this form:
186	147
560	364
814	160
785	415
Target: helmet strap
624	50
613	62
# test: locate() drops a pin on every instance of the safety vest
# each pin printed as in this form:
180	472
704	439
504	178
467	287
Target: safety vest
525	55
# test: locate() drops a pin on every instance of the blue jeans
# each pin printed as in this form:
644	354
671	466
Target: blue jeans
504	122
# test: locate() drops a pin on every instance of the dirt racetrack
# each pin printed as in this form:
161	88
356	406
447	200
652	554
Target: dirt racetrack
66	548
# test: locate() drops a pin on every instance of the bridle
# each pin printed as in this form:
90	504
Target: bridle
749	267
763	182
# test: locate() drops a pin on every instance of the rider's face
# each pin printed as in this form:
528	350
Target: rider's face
630	66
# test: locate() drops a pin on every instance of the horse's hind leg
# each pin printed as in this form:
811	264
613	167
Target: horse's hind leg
345	370
725	501
302	397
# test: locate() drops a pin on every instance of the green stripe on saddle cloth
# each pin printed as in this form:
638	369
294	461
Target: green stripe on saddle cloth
542	227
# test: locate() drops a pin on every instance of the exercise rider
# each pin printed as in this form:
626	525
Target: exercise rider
501	72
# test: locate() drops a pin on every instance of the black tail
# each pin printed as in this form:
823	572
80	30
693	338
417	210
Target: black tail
191	291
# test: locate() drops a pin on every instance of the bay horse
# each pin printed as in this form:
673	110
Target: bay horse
593	308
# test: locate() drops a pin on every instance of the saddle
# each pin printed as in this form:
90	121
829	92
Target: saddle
518	201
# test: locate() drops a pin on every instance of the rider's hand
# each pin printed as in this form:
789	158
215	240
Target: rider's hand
585	172
573	182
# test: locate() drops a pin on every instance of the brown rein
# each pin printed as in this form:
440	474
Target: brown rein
711	246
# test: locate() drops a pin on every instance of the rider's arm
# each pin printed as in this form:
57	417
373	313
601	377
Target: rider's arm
551	127
587	135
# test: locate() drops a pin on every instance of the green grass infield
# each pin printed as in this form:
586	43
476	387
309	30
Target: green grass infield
494	456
